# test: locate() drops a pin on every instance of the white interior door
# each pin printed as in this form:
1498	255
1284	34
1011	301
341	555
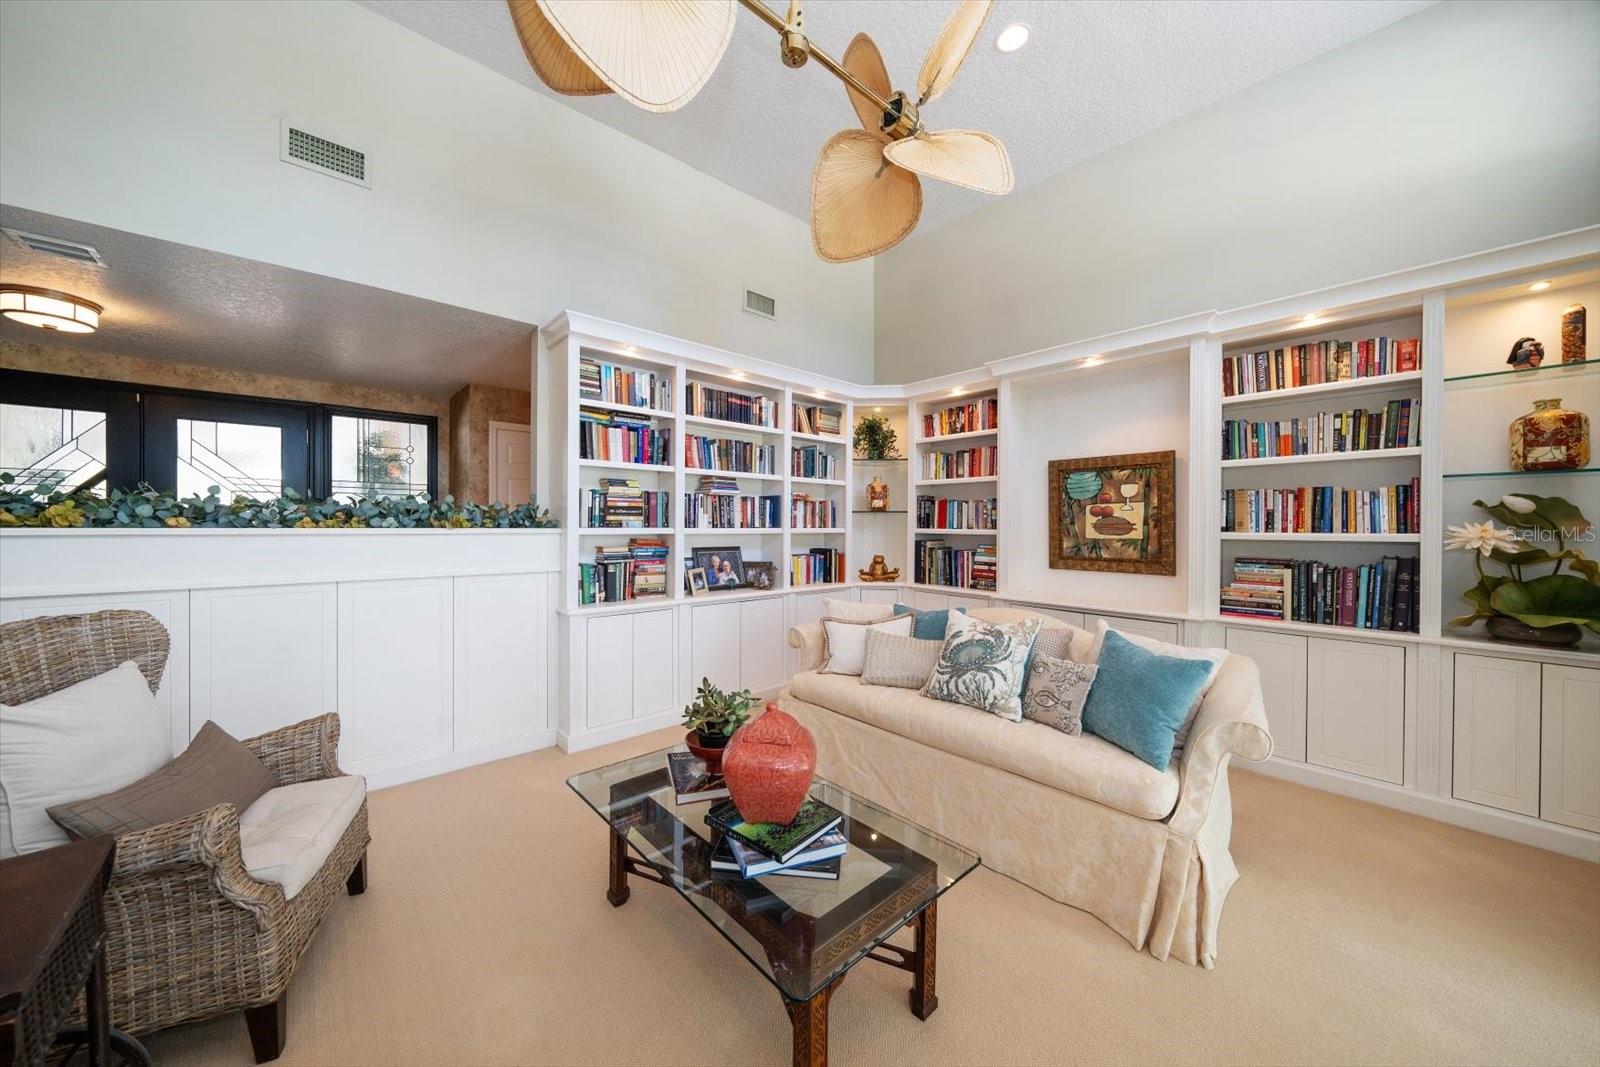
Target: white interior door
510	463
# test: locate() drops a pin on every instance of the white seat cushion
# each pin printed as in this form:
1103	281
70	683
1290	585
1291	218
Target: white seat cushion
79	742
288	834
1085	766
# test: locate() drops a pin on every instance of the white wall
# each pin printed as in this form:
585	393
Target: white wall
162	119
1464	127
1138	406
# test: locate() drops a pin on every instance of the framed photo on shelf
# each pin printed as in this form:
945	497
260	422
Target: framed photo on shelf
1114	513
759	574
724	567
695	579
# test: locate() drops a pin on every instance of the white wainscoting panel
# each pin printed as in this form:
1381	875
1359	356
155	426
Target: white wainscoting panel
1497	733
263	656
502	664
1155	629
395	661
875	595
1355	707
929	601
1571	712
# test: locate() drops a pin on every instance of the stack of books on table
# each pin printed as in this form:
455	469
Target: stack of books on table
810	846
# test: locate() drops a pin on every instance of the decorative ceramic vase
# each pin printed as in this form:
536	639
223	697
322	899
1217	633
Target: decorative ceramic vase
768	765
877	494
710	754
1574	334
1550	438
1506	628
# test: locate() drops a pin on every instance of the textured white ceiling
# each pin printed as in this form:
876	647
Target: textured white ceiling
1093	76
175	302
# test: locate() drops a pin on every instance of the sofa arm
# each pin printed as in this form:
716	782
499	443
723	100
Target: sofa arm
1232	722
811	642
305	752
159	860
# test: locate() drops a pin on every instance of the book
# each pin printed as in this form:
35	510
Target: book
804	864
775	840
691	781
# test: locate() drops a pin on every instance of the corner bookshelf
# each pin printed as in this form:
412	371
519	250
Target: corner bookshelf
883	533
1321	473
954	489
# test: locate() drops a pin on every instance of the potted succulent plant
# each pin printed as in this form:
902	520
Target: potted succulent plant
712	718
1546	609
874	438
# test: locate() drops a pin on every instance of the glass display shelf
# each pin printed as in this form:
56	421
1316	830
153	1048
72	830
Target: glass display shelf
1522	474
1552	374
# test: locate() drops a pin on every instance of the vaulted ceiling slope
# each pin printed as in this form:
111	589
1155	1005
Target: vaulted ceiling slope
1093	76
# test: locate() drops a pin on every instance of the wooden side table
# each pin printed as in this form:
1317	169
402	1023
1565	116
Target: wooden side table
52	945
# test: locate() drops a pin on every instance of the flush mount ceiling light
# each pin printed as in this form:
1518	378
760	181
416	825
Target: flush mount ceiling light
49	309
865	194
1012	37
1538	287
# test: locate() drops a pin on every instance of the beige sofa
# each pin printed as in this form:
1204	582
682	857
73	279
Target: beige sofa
1076	818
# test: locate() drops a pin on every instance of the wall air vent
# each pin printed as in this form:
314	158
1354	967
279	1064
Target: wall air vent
57	246
760	304
307	150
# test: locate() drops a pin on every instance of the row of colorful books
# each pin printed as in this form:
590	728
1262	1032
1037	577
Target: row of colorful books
1392	509
812	462
1382	595
940	563
812	845
818	566
967	463
813	513
730	511
727	454
1397	425
709	402
621	503
623	438
1318	363
962	418
940	513
622	385
624	572
817	419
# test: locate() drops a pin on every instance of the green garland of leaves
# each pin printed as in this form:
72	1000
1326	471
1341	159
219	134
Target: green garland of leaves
46	505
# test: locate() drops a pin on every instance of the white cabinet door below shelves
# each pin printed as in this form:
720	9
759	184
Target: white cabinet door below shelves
1355	707
929	601
714	645
870	595
1570	792
1281	659
609	670
395	676
262	657
761	644
653	657
1497	733
1154	629
502	660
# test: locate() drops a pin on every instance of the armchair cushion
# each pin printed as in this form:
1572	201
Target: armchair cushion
84	740
287	835
214	769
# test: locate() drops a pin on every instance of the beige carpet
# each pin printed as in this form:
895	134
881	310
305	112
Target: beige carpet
1356	935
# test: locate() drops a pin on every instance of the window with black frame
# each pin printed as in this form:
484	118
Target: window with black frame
96	435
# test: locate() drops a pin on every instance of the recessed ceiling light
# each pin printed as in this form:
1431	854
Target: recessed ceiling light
1090	361
735	373
1012	37
957	391
49	309
1538	287
1313	320
877	409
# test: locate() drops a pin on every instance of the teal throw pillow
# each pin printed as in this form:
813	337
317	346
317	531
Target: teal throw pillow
928	625
1139	698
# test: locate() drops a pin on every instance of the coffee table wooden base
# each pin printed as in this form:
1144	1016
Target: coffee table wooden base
809	1018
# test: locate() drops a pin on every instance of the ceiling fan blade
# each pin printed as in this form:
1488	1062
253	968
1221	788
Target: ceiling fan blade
654	55
864	60
557	65
860	203
955	40
960	157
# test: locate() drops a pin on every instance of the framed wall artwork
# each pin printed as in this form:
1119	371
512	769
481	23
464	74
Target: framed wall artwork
1114	513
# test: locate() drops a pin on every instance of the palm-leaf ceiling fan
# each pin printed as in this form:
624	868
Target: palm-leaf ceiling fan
865	194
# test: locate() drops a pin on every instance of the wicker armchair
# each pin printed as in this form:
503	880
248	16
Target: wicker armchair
191	934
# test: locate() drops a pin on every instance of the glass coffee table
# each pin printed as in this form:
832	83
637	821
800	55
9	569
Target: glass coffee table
802	934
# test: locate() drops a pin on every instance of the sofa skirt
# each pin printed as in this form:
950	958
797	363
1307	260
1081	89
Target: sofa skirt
1161	890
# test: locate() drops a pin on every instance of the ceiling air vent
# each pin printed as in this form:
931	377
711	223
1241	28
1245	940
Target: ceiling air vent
760	304
57	246
324	156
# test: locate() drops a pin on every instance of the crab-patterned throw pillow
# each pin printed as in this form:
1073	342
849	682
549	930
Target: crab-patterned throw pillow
983	666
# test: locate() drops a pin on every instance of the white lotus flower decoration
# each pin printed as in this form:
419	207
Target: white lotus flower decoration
1485	537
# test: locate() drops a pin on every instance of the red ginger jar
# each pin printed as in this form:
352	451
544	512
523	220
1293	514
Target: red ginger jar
768	765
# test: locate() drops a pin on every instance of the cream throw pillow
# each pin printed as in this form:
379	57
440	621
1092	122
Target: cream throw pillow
1213	656
847	642
851	611
902	662
91	738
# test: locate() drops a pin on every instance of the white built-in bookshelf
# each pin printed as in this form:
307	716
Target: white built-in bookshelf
954	476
